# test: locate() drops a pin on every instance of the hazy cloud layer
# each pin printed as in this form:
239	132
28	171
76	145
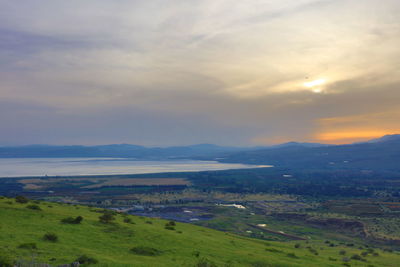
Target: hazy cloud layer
181	72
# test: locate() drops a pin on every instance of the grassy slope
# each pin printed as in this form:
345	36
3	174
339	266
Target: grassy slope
110	244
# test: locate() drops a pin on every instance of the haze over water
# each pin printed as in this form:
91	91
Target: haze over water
19	167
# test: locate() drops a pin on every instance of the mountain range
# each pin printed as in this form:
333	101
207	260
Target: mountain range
382	153
378	153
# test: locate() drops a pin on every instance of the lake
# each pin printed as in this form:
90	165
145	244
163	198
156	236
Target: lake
19	167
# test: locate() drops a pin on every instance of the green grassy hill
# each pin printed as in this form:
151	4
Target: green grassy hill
138	241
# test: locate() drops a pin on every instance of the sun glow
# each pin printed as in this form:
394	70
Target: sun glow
314	83
343	137
315	86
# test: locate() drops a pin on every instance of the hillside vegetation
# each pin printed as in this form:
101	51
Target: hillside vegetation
58	234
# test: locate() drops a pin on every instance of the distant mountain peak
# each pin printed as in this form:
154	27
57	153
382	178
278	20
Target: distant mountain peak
386	138
298	144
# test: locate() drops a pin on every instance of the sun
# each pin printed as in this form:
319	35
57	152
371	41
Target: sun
314	83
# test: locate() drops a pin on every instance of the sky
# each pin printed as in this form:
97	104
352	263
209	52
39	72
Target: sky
179	72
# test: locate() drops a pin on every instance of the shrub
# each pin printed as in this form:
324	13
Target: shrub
6	260
21	199
356	257
106	211
342	252
297	245
292	255
33	207
332	259
145	251
149	222
259	264
364	253
84	259
274	250
28	246
205	263
70	220
345	259
196	254
106	218
170	225
50	237
127	220
313	251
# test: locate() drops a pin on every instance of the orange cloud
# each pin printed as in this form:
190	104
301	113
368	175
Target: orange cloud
357	128
340	137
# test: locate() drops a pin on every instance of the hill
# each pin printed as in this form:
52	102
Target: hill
26	233
380	154
115	150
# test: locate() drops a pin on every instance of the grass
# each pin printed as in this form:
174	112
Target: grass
139	243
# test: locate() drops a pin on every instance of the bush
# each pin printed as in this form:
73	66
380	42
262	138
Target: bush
149	222
70	220
259	264
84	259
342	252
313	251
346	259
297	245
106	218
356	257
145	251
274	250
28	246
33	207
21	199
170	225
205	263
127	220
50	237
196	254
6	260
292	255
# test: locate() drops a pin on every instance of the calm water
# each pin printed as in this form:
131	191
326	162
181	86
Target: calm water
17	167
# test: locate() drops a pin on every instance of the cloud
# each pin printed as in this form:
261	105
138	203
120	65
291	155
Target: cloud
228	72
